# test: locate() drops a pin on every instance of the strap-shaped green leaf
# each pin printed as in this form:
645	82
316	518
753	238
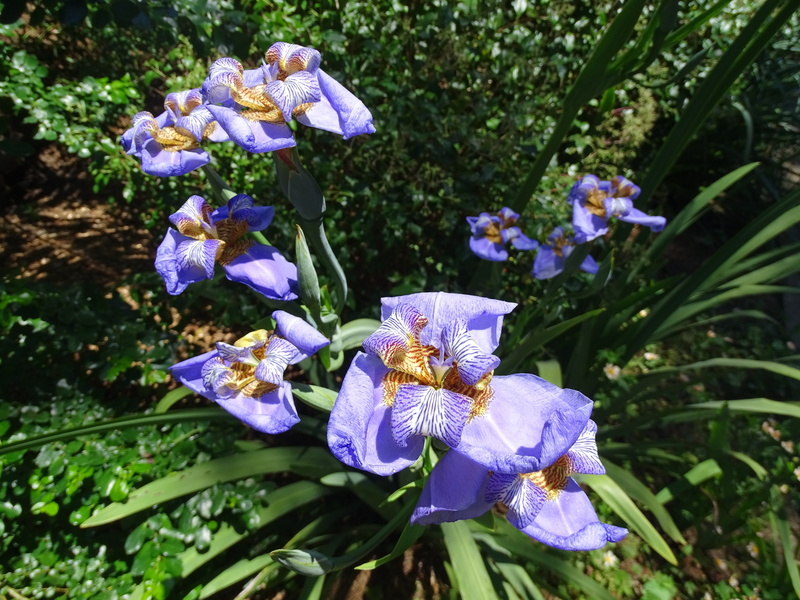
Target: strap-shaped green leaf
356	331
642	494
177	416
781	527
204	475
753	405
734	363
693	477
315	396
613	495
520	544
473	579
411	533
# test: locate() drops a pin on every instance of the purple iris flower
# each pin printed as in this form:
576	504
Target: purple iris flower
428	371
491	234
548	504
595	201
204	237
246	378
551	257
169	144
254	106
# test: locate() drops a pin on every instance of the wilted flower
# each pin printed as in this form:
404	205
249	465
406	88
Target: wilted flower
491	234
246	378
170	143
254	106
428	372
651	356
206	236
594	202
788	445
552	257
797	473
548	504
612	371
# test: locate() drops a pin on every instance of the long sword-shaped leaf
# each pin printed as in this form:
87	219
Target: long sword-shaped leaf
613	495
538	338
693	211
693	477
177	416
588	85
642	494
763	25
202	476
282	501
780	524
472	577
733	363
519	544
752	405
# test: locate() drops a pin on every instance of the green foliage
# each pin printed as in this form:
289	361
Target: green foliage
469	100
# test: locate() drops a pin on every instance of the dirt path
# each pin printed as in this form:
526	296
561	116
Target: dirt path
54	228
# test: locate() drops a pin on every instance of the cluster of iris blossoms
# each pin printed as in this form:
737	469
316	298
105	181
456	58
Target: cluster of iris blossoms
593	202
427	372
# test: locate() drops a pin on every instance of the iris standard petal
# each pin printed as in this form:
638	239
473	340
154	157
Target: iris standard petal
279	355
242	208
453	492
528	424
163	163
484	316
488	250
265	270
397	333
569	522
359	429
303	336
197	254
191	214
523	498
472	362
297	89
273	413
583	454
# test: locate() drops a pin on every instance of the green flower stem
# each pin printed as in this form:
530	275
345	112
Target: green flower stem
314	231
222	191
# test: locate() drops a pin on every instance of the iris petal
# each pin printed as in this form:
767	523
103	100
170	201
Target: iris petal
454	491
297	89
360	430
280	353
396	334
424	410
472	362
303	336
569	522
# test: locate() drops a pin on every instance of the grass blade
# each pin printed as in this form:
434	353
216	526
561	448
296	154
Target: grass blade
472	577
613	495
